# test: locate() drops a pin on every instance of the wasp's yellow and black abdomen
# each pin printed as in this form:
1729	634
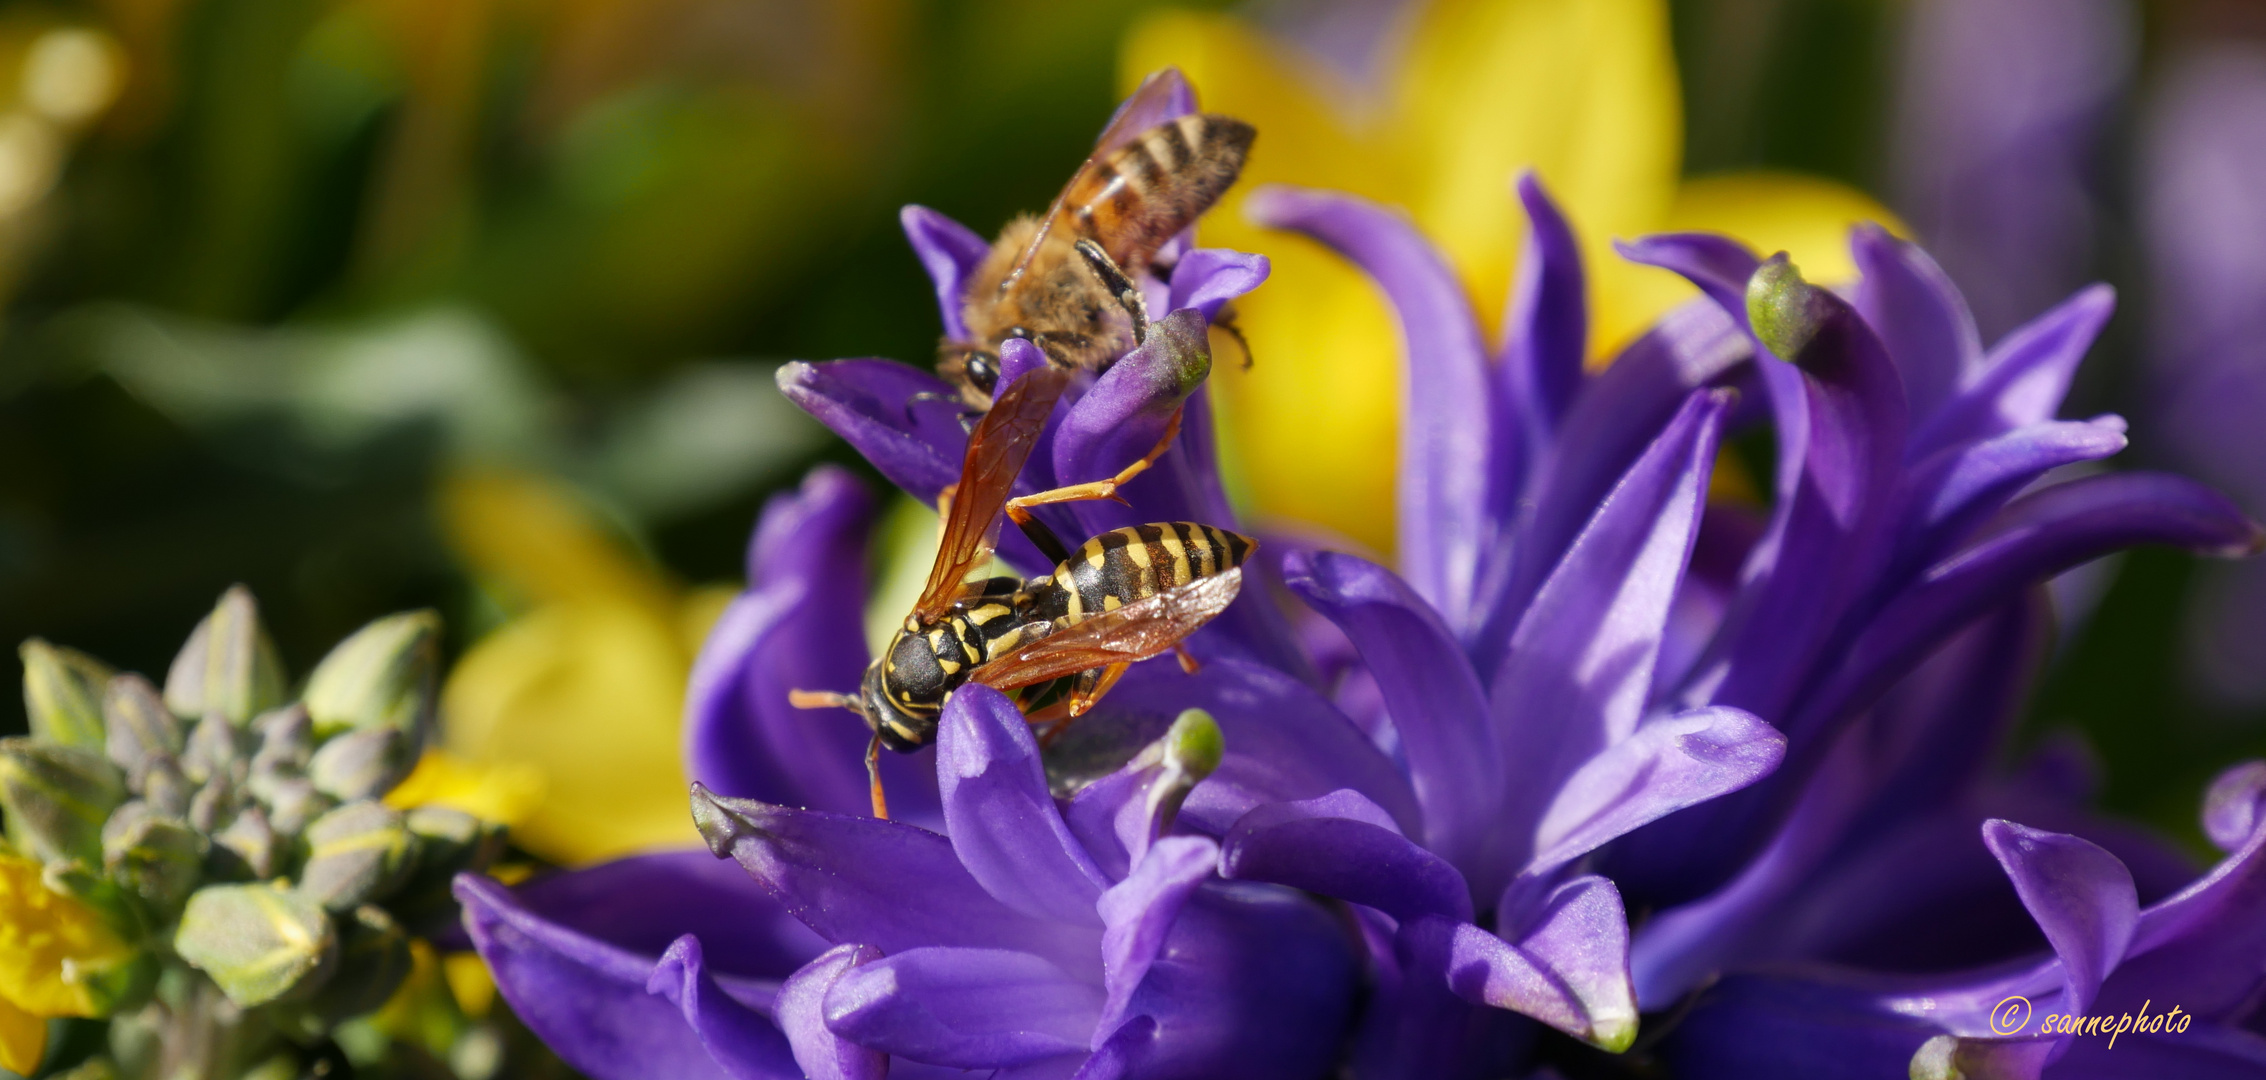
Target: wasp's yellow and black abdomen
1140	561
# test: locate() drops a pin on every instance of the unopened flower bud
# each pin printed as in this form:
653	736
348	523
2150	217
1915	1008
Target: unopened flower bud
136	722
57	797
1189	751
373	959
361	764
214	748
214	804
1784	310
63	694
293	803
286	740
228	665
258	942
247	849
156	857
356	853
161	784
381	677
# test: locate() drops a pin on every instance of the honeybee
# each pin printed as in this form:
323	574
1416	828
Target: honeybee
1066	280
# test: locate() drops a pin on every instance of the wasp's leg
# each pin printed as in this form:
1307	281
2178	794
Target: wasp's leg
1018	508
1128	294
1188	662
873	776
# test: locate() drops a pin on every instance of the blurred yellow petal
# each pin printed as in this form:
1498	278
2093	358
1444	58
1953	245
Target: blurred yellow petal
469	982
1313	422
1582	91
23	1039
523	531
52	947
590	694
506	792
1804	216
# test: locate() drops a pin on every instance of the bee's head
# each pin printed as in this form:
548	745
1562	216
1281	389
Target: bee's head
982	371
905	721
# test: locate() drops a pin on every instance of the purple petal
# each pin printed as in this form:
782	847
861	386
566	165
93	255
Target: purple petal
1546	336
643	903
1120	419
1342	845
950	253
1615	419
1919	315
858	879
1486	970
1437	705
2204	1052
2231	809
963	1007
1453	500
1285	741
1579	934
1668	764
1758	1028
1123	1052
2024	377
745	1042
2204	947
582	997
1965	484
799	627
1580	666
1719	265
1417	1028
1207	278
801	1009
2082	897
1145	109
917	445
1139	913
1003	823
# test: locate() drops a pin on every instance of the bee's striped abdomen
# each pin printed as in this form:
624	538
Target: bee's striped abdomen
1140	561
1137	196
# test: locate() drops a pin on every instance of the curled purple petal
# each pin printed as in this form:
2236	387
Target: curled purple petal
1919	315
1719	265
585	999
2025	376
1121	1054
2231	809
801	1010
870	404
745	1042
1121	418
1436	703
1453	500
1139	913
858	879
1546	336
963	1007
950	252
2081	896
1002	821
1342	845
1669	763
1965	484
1206	279
643	903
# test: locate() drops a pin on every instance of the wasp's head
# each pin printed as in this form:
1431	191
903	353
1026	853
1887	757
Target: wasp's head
901	714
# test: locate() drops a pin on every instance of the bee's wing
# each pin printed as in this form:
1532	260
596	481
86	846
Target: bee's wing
997	448
1137	631
1144	110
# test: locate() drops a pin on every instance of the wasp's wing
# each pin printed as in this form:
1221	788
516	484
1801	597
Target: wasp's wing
997	448
1147	108
1137	631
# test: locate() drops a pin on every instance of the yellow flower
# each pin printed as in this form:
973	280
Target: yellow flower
573	709
1582	91
55	955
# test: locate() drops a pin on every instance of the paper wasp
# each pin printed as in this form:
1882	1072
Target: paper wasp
1063	638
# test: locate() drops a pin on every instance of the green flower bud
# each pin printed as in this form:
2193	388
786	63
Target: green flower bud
258	942
247	849
215	748
63	694
286	741
214	804
93	1068
1784	310
293	803
137	723
156	857
161	784
228	666
1189	751
373	959
382	676
449	842
362	764
57	797
356	853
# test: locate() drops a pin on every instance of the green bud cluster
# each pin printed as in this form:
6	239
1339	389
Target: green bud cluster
239	837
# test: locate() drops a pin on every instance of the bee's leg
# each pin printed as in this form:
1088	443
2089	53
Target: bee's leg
1225	320
1122	287
1092	686
1188	661
873	776
1018	508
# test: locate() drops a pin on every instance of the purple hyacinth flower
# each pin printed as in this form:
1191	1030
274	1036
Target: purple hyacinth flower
1040	942
2168	989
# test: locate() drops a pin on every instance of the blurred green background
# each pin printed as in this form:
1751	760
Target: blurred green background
290	263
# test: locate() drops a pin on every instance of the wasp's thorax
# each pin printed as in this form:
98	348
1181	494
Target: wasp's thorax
905	687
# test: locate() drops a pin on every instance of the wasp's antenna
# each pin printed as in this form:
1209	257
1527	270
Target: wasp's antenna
828	699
